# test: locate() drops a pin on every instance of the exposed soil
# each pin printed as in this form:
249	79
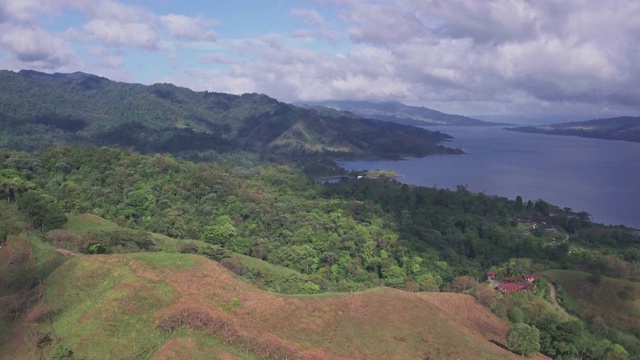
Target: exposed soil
554	298
65	252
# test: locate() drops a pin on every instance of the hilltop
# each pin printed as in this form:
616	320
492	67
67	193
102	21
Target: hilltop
39	109
395	112
171	306
620	128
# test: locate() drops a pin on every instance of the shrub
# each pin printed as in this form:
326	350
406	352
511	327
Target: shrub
61	352
232	265
523	339
461	284
59	237
516	315
189	248
214	252
627	294
196	319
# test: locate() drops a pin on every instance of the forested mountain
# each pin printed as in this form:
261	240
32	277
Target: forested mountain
38	109
620	128
396	113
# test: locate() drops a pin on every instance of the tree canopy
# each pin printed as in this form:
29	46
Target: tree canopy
523	339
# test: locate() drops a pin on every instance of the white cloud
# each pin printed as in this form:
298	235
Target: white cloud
189	28
216	59
330	36
106	58
123	34
34	48
24	10
548	52
309	15
110	10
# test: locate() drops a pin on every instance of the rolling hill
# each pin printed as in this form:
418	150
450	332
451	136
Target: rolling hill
621	128
176	306
38	110
396	113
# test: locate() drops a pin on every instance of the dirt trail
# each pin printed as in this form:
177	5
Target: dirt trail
554	298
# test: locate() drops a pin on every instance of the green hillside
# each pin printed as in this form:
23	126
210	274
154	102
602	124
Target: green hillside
594	296
38	109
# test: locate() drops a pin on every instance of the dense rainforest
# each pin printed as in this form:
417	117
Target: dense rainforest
343	236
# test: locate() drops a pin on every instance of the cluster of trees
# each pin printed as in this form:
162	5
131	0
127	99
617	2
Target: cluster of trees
566	340
360	232
353	233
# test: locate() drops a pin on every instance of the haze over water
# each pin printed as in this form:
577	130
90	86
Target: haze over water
601	177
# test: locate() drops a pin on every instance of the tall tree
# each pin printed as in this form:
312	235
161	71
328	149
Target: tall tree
523	339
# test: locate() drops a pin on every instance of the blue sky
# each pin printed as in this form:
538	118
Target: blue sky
562	58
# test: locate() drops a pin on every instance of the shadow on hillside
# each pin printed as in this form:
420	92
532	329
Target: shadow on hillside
500	345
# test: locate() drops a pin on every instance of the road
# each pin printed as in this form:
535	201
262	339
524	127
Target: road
554	298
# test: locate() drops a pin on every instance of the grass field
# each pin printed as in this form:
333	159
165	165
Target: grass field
616	300
84	223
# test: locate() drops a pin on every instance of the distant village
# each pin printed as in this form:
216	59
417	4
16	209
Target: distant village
513	283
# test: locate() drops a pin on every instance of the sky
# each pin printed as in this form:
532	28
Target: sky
560	59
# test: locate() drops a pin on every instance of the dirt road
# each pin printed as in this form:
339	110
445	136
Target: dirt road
554	298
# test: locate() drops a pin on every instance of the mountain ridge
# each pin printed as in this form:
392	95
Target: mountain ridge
625	128
39	109
397	112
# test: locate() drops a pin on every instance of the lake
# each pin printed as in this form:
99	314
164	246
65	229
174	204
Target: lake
601	177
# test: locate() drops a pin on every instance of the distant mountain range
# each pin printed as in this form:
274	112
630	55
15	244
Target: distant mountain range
397	113
620	128
39	109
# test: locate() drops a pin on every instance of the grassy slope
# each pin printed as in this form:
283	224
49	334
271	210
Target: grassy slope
601	299
108	305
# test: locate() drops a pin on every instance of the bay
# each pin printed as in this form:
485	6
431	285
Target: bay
601	177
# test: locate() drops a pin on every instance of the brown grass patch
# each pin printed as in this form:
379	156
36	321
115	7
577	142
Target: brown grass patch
380	323
226	313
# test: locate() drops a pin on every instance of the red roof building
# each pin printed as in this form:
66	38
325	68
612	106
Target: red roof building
512	287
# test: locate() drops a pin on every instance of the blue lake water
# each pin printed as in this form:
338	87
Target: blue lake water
601	177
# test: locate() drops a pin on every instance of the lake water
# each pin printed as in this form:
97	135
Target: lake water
601	177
